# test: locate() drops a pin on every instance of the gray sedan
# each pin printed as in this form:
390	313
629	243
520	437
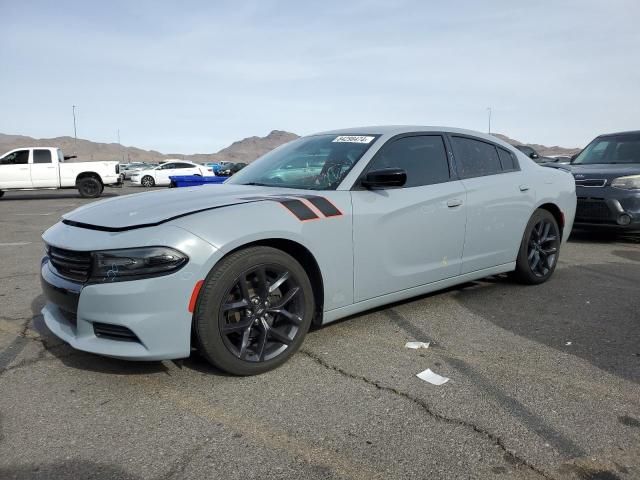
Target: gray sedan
241	270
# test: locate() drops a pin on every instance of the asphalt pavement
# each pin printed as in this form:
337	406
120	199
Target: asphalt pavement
544	383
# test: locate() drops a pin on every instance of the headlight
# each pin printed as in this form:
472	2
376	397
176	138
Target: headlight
135	263
632	182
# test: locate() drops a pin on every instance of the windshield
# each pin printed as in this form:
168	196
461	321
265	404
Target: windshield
319	162
611	149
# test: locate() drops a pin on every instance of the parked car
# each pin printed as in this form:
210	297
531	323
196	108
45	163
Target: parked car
607	175
231	169
160	175
561	159
244	268
132	168
212	167
533	154
45	167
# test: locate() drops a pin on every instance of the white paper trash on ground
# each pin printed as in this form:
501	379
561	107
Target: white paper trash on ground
416	345
433	378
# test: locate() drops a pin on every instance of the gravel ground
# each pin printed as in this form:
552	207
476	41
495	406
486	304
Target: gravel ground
544	383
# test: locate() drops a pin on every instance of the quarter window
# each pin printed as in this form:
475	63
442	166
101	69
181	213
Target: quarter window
423	157
508	160
41	156
475	158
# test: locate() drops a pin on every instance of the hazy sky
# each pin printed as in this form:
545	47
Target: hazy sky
194	76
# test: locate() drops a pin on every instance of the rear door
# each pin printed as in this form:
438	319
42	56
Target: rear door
44	172
499	202
413	235
15	169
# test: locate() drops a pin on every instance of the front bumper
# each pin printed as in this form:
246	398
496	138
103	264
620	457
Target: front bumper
144	319
607	207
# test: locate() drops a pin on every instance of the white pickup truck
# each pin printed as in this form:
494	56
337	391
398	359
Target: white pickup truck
43	167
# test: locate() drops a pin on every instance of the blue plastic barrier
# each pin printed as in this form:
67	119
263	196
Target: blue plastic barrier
194	180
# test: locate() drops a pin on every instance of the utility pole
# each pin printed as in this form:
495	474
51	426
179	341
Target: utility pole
489	112
121	147
75	132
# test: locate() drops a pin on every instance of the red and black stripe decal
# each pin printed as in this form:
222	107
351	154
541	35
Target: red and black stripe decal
300	209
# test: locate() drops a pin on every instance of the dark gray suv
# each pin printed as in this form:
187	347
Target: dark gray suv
607	174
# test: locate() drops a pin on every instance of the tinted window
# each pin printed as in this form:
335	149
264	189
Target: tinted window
21	157
475	158
423	157
611	149
41	156
183	165
508	160
168	166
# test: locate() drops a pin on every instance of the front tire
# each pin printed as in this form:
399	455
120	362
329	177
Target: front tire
90	187
539	250
253	311
147	181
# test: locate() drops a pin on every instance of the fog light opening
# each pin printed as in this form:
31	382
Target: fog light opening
624	219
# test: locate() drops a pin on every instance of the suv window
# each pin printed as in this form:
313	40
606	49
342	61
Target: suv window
475	158
42	156
21	157
508	160
423	157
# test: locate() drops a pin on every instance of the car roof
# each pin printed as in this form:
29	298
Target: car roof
629	132
400	129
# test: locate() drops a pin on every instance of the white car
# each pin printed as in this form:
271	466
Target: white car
160	174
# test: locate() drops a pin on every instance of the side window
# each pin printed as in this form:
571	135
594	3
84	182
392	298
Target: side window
475	158
42	156
168	166
423	157
21	157
508	160
184	165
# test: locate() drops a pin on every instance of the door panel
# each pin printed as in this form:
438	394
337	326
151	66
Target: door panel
407	237
44	172
15	170
497	215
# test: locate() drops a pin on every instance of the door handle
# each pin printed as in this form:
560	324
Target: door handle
524	188
24	168
454	202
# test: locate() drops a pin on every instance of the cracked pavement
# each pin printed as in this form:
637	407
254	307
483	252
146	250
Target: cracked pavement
545	383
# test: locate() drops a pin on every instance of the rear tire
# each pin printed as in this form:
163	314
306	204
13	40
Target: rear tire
253	311
539	249
147	181
90	187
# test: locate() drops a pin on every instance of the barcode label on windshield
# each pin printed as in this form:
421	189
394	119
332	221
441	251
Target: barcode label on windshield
353	139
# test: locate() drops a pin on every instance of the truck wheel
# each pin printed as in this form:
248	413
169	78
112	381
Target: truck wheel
90	187
147	181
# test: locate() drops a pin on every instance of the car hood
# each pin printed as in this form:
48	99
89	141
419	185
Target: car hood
148	209
605	170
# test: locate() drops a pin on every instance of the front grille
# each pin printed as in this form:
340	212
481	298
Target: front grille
591	182
114	332
593	210
70	264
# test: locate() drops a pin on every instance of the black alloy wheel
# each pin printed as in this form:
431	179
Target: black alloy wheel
543	247
253	310
539	249
89	187
262	314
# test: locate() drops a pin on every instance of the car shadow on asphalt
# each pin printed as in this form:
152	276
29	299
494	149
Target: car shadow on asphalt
589	311
604	236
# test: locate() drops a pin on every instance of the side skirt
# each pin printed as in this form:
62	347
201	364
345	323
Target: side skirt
338	313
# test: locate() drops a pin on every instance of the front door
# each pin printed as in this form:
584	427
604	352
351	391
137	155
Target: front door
413	235
15	170
44	172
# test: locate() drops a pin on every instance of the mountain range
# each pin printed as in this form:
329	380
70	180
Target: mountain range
245	150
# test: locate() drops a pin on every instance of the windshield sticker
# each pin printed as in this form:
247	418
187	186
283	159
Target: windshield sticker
354	139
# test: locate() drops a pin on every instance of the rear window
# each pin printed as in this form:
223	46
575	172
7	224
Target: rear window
42	156
475	158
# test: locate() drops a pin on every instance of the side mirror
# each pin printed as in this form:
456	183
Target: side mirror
534	155
385	178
